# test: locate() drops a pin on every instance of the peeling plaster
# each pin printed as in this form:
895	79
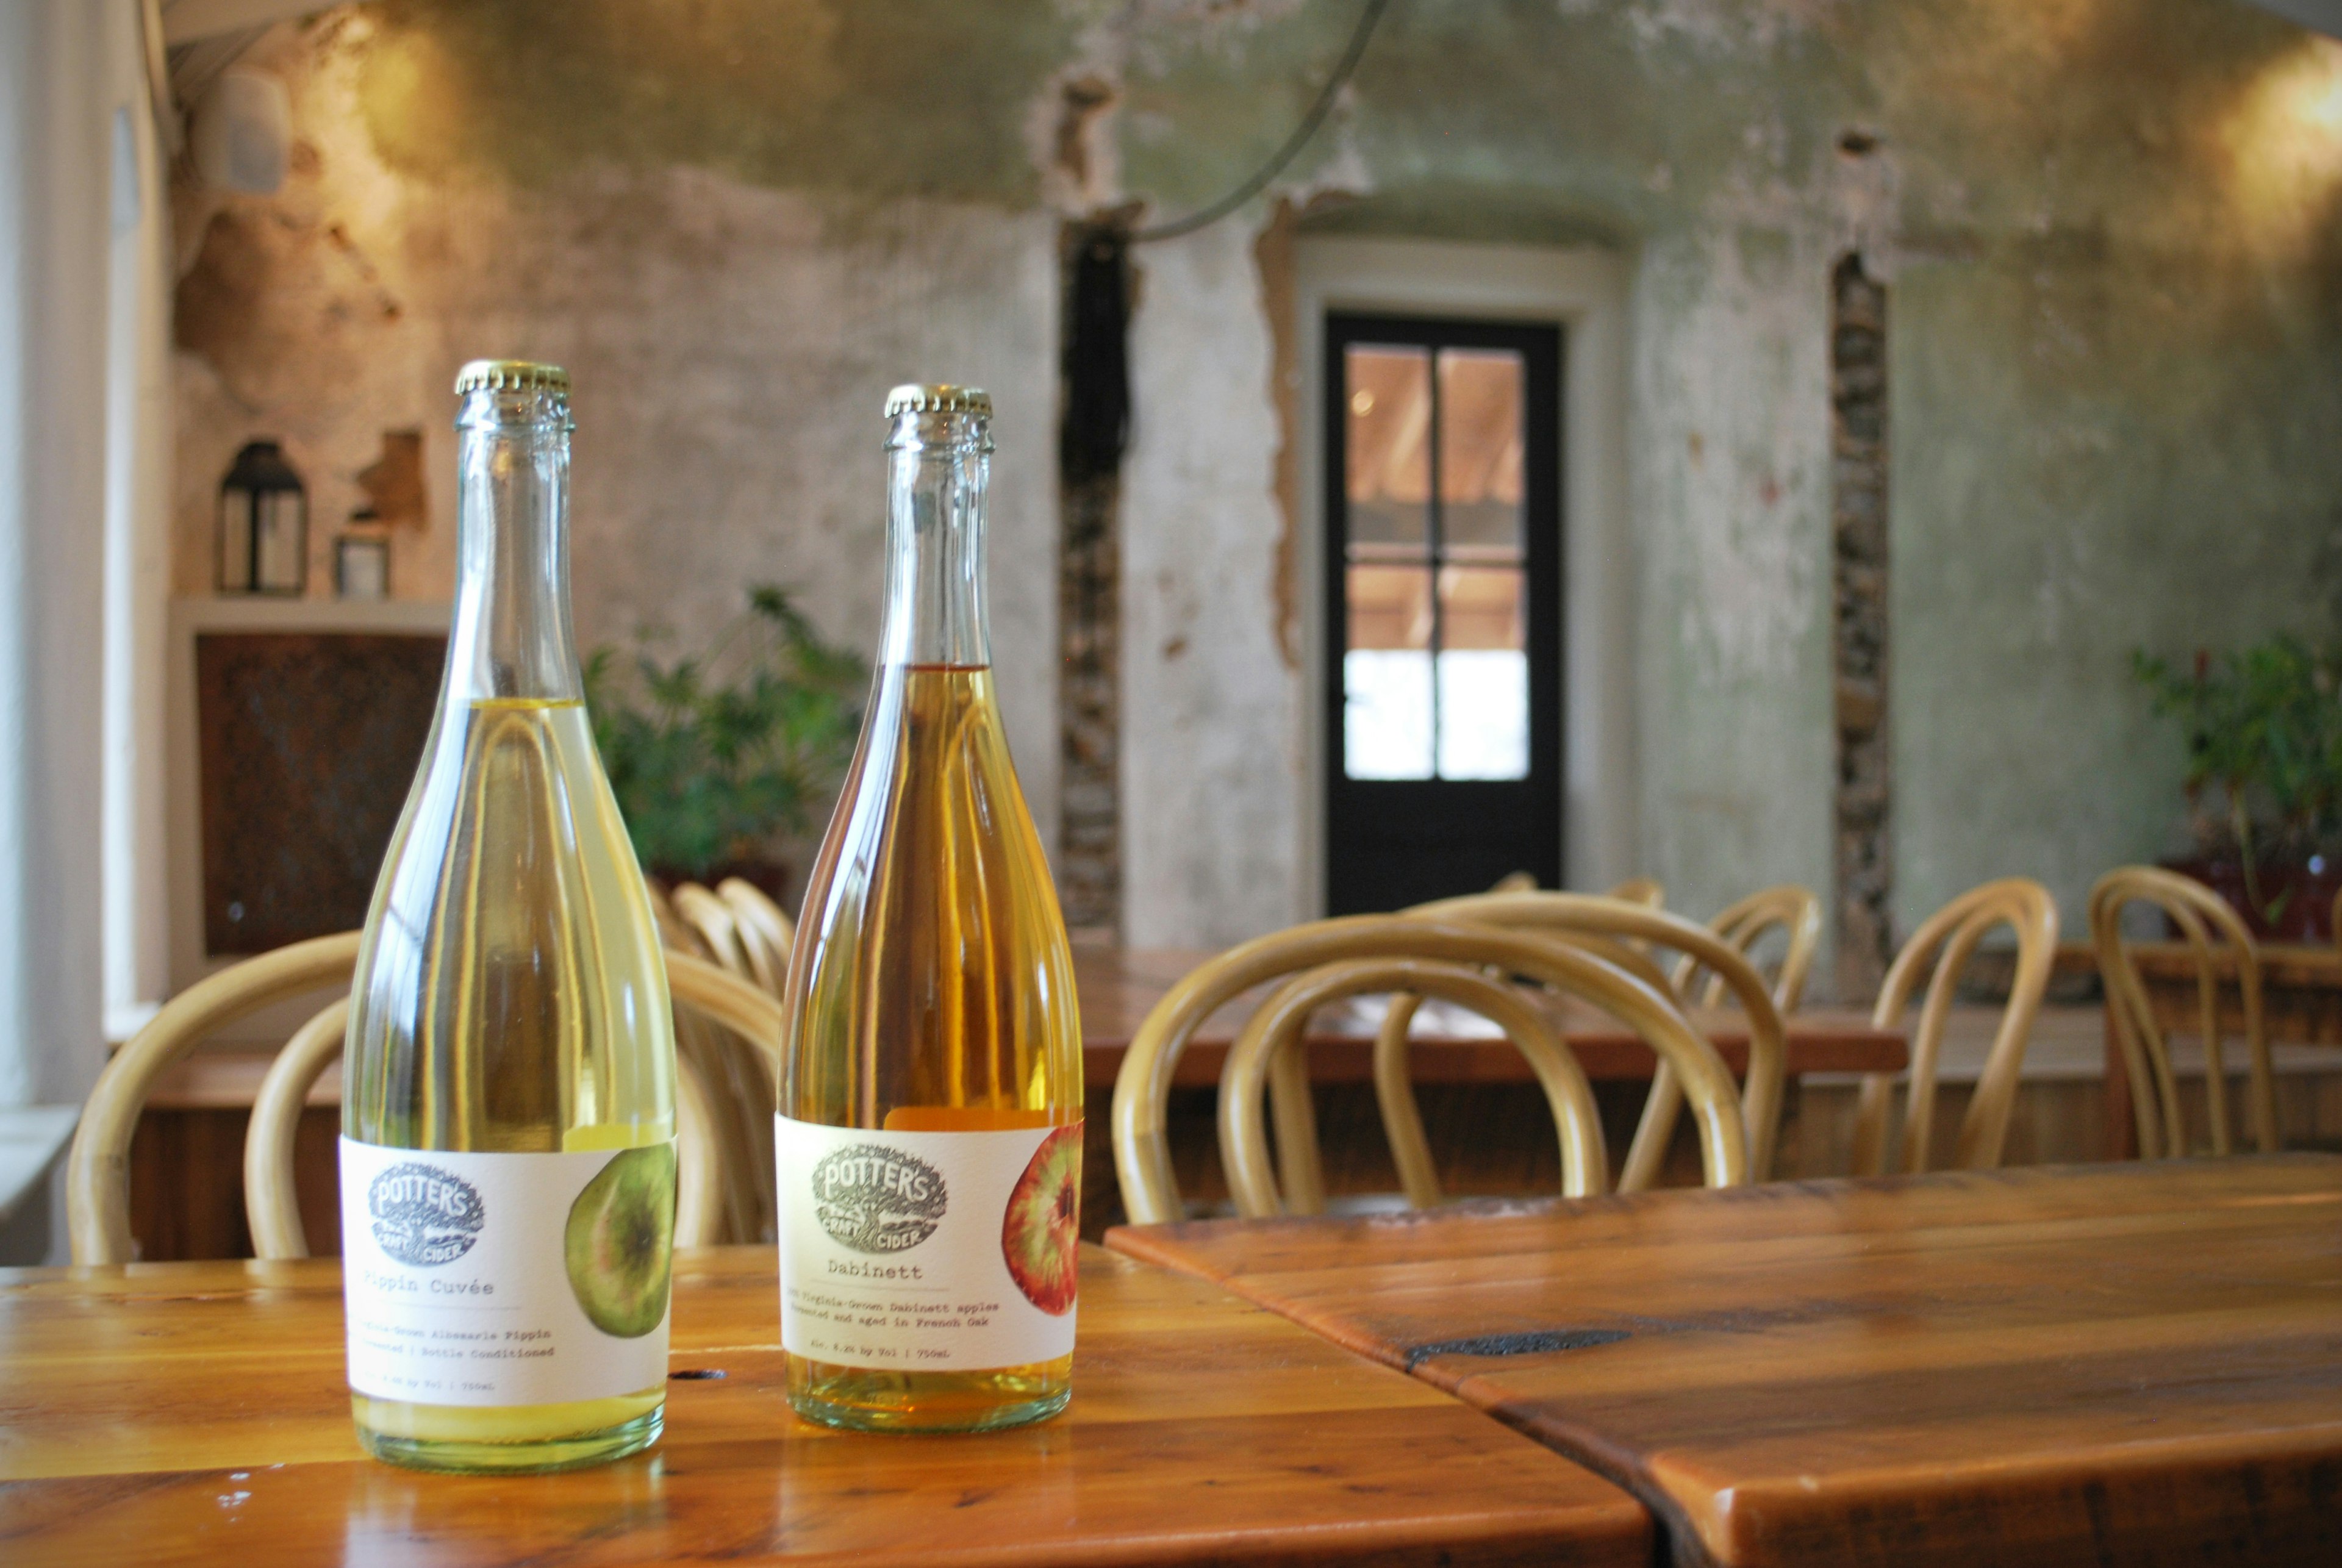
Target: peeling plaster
2112	227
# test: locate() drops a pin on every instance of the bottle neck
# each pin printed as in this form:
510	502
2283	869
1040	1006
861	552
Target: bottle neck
938	467
512	636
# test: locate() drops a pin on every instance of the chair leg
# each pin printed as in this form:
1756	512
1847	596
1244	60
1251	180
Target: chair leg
1870	1118
1647	1154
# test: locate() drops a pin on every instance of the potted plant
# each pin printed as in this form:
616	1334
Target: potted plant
2264	732
718	755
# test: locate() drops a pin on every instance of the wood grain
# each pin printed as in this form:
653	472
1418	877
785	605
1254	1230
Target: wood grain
2107	1365
196	1413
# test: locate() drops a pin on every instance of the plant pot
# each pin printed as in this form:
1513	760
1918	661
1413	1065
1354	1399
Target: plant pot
770	877
2297	896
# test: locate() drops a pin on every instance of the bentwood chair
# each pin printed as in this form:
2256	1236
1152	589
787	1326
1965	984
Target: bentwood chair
767	935
1956	929
1142	1090
703	996
1643	890
271	1201
1646	891
1583	919
736	1078
1792	910
1272	1047
2155	1093
97	1195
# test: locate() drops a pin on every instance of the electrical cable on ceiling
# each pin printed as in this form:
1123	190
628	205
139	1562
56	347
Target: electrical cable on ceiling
1095	424
1293	144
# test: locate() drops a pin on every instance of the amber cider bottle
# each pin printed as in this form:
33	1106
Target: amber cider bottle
929	1136
507	1151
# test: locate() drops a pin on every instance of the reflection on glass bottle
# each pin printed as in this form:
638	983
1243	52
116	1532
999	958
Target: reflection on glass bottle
929	1136
509	1109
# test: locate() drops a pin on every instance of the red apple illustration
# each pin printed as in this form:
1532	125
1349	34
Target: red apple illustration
1041	1233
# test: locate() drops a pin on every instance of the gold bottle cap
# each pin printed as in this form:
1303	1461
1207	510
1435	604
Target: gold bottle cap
511	375
938	398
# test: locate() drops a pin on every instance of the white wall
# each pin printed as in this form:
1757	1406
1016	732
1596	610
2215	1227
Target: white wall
1212	717
64	66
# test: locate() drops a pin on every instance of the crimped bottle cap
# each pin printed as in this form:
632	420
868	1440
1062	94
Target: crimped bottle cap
938	397
511	375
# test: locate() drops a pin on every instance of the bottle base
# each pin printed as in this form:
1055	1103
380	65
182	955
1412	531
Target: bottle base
870	1418
478	1456
864	1399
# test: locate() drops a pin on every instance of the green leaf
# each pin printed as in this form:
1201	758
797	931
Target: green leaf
714	753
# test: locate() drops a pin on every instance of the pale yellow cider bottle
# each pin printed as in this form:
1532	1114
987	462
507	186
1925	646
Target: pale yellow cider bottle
507	1151
929	1136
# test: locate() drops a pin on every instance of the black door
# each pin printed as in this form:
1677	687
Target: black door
1443	596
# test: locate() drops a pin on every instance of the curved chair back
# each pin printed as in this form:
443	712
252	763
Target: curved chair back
97	1171
97	1195
1271	1047
736	932
2155	1095
767	932
1792	910
1799	914
736	1085
712	921
1646	891
1579	916
2025	907
1643	890
703	994
272	1206
1142	1091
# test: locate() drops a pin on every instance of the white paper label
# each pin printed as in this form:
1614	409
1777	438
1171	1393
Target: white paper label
928	1252
491	1279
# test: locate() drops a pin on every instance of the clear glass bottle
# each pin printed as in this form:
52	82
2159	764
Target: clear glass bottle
929	1135
509	1103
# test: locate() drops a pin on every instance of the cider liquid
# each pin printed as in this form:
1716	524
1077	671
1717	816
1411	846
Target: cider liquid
932	989
511	996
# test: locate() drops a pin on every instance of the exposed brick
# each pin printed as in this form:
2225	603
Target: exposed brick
1865	798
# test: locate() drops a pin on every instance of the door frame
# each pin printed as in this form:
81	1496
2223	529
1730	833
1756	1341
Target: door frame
1584	293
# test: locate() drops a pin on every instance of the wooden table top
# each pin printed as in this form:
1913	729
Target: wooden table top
1118	987
196	1413
2087	1364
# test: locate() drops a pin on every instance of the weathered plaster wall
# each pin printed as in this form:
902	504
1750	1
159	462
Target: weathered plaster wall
2107	226
731	343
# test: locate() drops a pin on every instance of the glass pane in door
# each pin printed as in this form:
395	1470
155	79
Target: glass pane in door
1482	696
1388	722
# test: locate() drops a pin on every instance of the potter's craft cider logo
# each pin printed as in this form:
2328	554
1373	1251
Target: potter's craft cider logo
879	1199
423	1216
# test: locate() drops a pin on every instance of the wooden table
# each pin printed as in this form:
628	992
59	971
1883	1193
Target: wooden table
196	1413
2301	1002
2087	1364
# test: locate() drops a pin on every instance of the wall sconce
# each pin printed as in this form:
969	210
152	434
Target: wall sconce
264	525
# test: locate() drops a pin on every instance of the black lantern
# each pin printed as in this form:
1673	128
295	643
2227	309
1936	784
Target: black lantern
264	525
